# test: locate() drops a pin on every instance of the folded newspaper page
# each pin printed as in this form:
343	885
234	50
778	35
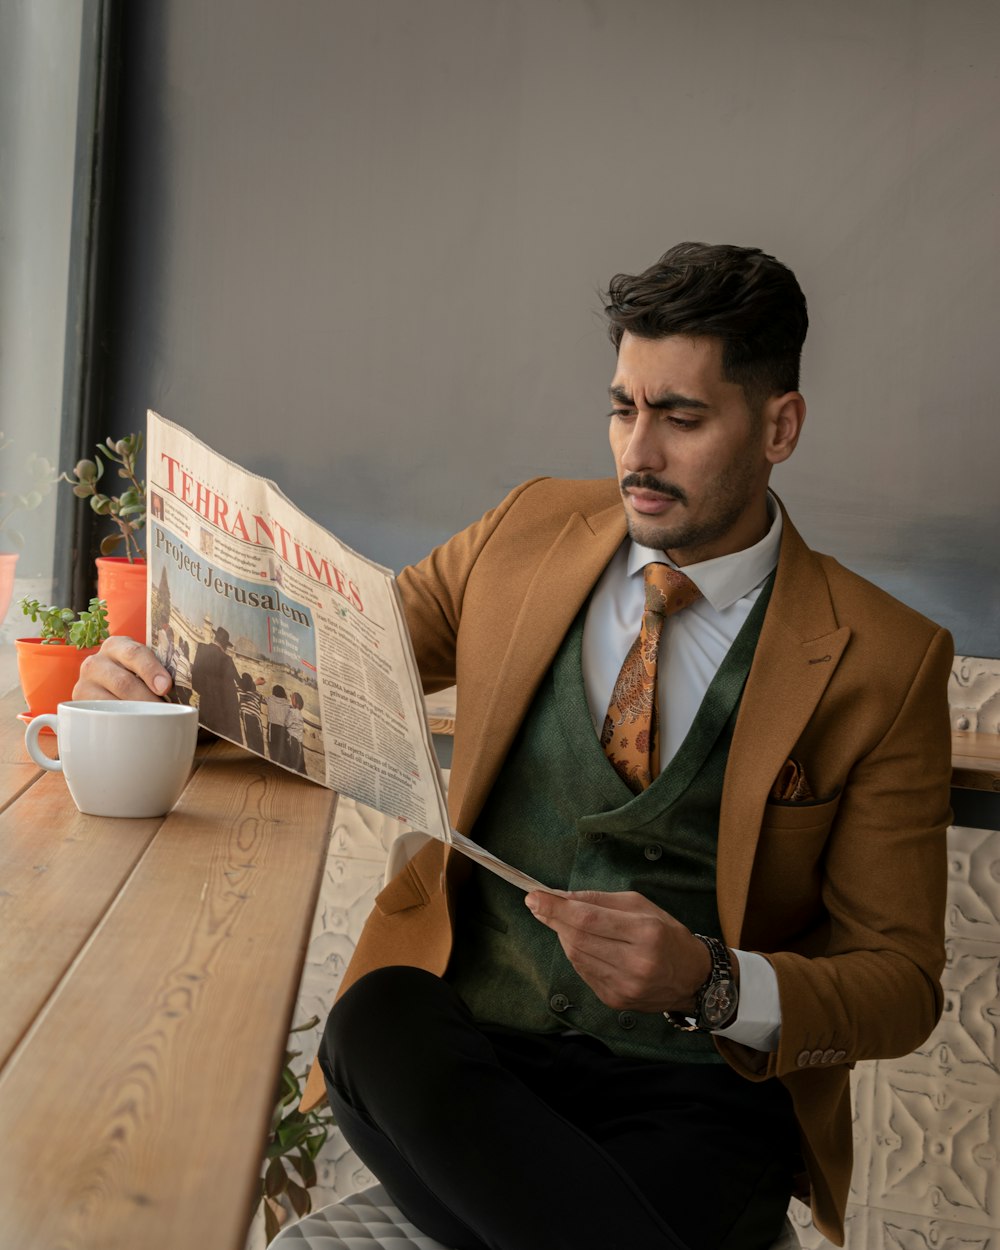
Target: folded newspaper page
289	643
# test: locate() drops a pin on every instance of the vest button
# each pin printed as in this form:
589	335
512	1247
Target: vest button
653	852
627	1020
558	1002
592	835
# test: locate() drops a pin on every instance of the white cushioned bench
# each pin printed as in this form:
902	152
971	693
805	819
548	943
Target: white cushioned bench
369	1219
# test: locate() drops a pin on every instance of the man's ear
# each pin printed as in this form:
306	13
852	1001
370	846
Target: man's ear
783	418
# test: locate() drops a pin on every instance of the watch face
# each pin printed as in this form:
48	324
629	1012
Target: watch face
718	1004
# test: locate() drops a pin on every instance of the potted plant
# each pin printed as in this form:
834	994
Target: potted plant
40	476
49	665
121	580
295	1139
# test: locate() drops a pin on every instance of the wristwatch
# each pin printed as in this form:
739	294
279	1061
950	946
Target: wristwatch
717	1001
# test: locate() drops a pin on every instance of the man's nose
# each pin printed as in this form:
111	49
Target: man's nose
644	448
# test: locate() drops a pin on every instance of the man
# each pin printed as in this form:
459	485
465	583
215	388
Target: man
731	754
215	678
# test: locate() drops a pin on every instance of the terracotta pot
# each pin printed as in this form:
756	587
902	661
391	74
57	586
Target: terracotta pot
48	672
7	563
123	586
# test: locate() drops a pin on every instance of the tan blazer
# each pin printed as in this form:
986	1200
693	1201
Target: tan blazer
844	895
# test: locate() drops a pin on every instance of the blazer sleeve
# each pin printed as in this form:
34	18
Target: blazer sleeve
870	989
433	591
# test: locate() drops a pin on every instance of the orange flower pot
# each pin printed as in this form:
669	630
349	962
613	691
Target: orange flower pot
48	672
122	585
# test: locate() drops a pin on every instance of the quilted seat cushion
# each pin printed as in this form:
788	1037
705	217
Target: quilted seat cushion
369	1219
360	1222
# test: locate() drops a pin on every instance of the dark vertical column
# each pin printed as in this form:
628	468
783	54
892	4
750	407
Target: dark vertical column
86	351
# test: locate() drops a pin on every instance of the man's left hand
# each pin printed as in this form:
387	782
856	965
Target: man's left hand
630	952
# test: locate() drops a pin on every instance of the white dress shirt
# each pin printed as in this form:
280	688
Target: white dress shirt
693	645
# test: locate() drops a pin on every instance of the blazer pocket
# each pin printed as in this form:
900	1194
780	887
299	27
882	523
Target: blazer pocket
784	814
405	890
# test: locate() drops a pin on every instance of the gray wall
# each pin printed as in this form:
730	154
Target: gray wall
360	244
39	73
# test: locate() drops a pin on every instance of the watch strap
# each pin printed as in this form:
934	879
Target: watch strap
716	1000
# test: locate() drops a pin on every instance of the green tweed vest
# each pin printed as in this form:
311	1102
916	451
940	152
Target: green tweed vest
560	812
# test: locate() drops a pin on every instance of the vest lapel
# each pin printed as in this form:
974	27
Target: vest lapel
557	591
799	649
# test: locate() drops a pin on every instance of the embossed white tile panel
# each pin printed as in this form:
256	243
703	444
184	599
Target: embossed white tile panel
893	1230
862	1102
965	1045
347	896
974	694
974	884
812	1239
935	1147
363	832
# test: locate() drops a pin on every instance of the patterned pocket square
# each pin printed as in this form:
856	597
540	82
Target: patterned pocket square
791	786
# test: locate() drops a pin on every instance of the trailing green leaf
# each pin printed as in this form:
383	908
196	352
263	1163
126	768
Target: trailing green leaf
299	1199
272	1225
294	1142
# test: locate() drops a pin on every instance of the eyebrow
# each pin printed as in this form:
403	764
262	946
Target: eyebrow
670	399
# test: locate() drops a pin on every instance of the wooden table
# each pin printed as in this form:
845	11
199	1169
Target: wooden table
975	759
148	973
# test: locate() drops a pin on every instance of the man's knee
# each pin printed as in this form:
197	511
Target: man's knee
396	1029
380	1016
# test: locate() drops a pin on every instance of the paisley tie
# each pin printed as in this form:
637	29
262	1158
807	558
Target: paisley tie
630	735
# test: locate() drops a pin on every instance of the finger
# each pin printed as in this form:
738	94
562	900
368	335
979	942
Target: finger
617	900
141	661
573	912
122	669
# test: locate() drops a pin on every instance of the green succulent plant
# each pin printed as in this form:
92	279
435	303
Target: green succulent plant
127	510
62	625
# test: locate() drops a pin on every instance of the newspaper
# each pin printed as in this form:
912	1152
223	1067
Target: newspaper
289	643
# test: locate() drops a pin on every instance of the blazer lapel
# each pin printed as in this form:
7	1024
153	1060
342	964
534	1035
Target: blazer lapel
799	648
556	593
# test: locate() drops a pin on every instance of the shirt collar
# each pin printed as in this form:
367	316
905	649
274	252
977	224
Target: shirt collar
725	579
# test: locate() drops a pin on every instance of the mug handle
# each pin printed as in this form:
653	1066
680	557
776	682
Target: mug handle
35	727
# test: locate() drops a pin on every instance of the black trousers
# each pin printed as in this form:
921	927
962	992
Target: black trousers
490	1137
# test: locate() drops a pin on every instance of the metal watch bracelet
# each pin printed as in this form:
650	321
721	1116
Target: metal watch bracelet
717	1000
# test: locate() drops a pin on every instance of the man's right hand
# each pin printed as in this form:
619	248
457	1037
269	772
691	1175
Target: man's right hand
122	669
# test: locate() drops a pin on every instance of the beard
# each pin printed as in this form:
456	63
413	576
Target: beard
724	501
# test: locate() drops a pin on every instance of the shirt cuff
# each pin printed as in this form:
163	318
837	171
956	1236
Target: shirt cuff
758	1020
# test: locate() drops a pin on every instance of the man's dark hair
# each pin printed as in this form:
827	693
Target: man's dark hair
748	300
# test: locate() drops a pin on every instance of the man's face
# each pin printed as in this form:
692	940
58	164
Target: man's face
690	456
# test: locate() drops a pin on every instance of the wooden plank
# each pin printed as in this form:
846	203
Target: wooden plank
143	1094
59	873
976	761
17	771
440	709
977	746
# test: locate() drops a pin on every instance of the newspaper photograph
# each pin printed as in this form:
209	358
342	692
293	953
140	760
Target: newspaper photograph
290	644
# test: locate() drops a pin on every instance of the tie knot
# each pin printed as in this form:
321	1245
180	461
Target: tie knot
668	590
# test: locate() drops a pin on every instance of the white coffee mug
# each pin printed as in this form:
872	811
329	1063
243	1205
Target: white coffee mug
120	758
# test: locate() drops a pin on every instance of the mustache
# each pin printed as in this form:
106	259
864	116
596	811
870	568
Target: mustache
646	481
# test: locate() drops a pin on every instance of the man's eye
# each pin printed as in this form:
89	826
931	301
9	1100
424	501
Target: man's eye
622	413
682	423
